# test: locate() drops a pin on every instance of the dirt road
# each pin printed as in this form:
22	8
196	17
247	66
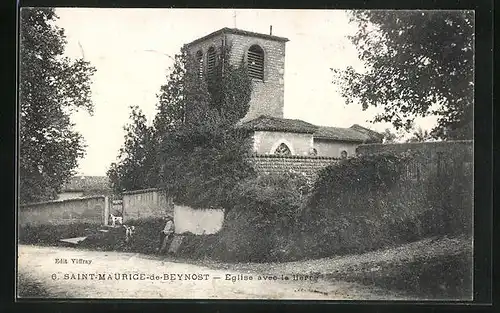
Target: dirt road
66	272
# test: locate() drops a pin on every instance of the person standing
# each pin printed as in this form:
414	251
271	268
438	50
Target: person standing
166	233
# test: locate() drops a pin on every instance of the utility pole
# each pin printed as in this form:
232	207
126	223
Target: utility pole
234	18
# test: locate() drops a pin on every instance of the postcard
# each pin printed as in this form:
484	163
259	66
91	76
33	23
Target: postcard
245	154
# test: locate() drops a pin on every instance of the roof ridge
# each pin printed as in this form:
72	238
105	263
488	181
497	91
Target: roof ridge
237	31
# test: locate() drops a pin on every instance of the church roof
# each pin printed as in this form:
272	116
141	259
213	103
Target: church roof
237	31
341	134
377	137
269	123
355	133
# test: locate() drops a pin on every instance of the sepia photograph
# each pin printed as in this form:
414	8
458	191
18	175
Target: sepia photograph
245	154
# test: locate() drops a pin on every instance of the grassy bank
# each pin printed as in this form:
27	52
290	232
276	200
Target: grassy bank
437	269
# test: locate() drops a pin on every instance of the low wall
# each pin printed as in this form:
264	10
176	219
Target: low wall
88	209
457	147
197	221
434	158
309	165
145	203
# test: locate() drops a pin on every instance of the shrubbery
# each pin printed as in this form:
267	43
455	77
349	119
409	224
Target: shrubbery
368	202
360	204
262	223
51	234
145	239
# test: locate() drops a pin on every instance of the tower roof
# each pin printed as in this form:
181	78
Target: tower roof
237	31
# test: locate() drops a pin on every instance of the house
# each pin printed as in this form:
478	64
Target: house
264	56
81	186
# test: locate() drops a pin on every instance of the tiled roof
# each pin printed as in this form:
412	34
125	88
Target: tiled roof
87	183
355	133
269	123
376	137
341	134
237	31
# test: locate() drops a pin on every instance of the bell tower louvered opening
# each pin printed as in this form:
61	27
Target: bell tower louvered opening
211	59
199	61
255	59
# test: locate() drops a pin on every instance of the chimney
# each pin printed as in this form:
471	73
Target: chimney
271	30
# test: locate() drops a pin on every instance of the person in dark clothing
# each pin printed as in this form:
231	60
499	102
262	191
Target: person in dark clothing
166	233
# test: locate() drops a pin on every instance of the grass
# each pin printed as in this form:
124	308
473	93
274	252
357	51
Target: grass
29	288
434	276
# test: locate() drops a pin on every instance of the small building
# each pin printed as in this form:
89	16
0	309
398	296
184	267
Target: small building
83	186
280	136
264	56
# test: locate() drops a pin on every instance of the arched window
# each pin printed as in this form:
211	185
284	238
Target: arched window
255	59
211	61
282	150
343	154
199	61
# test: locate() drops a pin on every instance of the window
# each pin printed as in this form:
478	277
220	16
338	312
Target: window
282	150
211	61
343	154
199	61
255	59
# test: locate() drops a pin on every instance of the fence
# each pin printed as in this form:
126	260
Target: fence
145	203
87	209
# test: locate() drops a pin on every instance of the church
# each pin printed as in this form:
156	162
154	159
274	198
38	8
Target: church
273	134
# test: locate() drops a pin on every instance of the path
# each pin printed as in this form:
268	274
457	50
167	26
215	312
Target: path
132	276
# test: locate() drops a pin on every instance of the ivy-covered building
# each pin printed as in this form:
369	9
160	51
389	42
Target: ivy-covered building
264	56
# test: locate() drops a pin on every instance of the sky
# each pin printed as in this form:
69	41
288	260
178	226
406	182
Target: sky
132	50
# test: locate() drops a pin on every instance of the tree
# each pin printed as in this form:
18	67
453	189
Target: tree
230	89
389	137
193	150
203	157
417	63
51	87
136	160
420	135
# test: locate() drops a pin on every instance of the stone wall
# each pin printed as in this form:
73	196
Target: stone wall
145	203
309	165
85	210
65	195
197	221
433	158
268	95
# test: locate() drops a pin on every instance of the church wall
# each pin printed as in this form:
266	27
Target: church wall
266	142
333	148
267	95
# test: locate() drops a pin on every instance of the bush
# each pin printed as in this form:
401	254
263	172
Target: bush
368	202
145	239
260	226
51	234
